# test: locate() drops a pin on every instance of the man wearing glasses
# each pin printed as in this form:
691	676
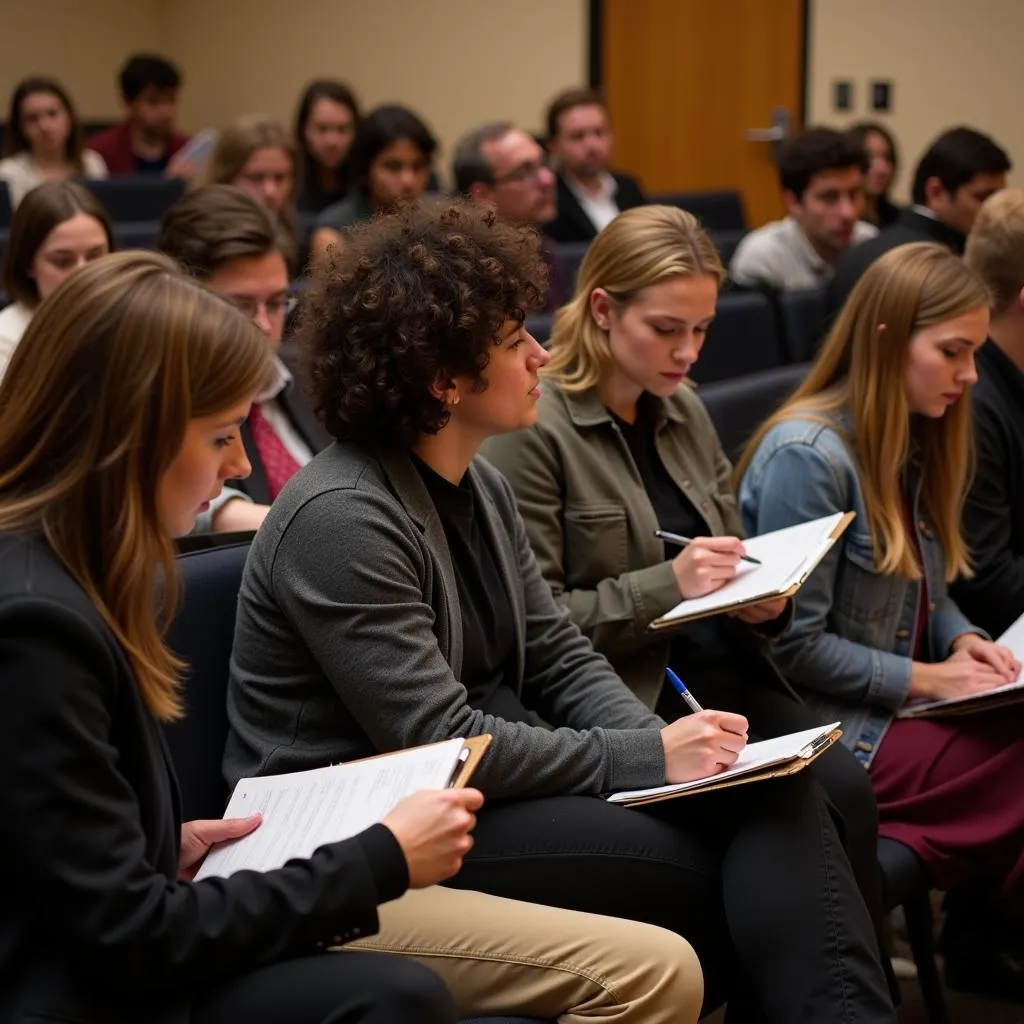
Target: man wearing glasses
501	166
229	240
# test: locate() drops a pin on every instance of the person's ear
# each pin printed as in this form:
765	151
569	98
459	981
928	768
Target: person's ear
601	309
444	389
481	193
794	207
1020	301
935	194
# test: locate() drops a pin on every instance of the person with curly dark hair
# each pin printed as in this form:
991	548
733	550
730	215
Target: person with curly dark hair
392	598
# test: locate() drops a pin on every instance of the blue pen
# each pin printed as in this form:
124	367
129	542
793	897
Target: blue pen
680	687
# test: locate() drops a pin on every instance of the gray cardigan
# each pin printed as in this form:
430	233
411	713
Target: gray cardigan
349	641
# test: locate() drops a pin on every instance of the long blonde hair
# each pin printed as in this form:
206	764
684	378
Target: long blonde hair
93	410
860	371
639	248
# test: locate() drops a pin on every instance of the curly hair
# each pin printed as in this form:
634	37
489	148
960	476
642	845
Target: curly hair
412	298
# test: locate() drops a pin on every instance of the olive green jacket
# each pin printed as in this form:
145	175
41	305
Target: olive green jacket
591	523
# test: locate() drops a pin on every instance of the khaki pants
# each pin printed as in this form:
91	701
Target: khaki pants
502	956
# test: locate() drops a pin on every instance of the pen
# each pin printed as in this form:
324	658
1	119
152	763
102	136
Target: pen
680	687
676	538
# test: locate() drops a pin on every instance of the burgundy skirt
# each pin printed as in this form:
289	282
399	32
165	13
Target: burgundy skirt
953	791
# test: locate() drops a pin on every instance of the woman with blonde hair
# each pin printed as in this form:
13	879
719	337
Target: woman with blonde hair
882	427
257	154
623	446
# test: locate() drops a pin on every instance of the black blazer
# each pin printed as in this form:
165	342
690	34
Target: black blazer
309	428
573	225
95	928
994	511
910	226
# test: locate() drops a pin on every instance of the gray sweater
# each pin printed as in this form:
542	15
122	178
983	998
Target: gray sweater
349	641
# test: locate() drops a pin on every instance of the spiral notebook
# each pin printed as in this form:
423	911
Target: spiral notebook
787	558
304	810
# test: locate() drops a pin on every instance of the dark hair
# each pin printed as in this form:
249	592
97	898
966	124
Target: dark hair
144	70
379	129
217	223
814	152
860	132
955	157
322	89
408	299
44	208
569	100
469	165
15	140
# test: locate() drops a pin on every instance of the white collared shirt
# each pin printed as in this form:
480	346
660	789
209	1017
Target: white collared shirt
780	256
278	419
601	208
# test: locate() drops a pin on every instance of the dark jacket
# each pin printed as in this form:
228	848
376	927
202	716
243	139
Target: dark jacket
910	226
95	928
349	641
296	406
573	225
994	512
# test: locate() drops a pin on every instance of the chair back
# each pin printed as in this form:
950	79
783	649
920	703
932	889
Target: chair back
129	198
202	633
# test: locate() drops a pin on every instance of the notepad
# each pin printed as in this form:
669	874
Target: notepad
765	759
304	810
787	557
1009	693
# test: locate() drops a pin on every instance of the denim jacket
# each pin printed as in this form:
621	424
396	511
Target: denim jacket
849	647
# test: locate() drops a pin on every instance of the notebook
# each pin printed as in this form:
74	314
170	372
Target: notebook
765	759
787	558
1009	693
304	810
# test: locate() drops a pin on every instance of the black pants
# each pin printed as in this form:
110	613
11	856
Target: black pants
754	876
331	988
769	712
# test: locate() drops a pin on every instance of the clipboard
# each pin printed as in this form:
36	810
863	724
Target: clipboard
473	750
810	564
777	771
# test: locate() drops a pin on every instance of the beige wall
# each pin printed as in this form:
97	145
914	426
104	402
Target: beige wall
951	62
82	43
456	62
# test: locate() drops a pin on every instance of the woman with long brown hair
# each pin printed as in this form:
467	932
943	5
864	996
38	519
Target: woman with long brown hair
44	139
119	418
882	427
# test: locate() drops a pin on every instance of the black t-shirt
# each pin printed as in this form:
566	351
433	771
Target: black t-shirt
487	625
708	652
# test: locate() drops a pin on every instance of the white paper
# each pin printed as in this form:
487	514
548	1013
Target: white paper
1012	638
754	757
785	556
304	810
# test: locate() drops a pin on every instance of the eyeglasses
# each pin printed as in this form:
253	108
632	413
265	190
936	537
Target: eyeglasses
275	309
525	172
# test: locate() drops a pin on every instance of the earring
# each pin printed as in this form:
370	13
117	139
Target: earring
456	399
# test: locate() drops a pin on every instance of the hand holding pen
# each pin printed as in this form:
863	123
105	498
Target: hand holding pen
705	563
703	743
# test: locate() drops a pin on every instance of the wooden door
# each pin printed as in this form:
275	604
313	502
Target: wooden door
686	80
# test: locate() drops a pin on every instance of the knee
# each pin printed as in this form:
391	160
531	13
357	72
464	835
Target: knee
415	993
664	980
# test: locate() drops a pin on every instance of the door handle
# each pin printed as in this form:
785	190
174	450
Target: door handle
777	132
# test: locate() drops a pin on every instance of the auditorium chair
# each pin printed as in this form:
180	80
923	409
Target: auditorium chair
716	210
570	256
136	234
136	197
803	319
744	338
539	325
202	633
